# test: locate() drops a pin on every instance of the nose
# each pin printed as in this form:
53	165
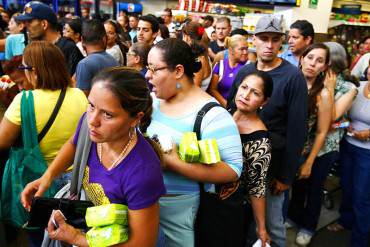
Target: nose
93	119
148	74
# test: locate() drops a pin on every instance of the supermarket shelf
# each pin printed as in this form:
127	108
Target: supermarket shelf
335	23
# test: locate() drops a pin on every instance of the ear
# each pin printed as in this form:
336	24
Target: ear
154	35
308	40
137	118
254	40
179	70
137	59
45	24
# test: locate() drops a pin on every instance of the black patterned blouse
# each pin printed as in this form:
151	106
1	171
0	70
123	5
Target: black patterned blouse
256	161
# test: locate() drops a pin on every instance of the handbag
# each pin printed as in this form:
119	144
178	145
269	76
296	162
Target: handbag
74	188
220	213
25	164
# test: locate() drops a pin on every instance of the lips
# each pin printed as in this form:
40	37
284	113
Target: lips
94	133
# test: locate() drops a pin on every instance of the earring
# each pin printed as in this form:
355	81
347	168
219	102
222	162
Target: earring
131	133
322	74
178	85
261	107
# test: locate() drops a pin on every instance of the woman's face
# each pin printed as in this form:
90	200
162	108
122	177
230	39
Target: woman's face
108	121
250	96
111	34
14	28
163	80
314	63
131	58
240	51
69	33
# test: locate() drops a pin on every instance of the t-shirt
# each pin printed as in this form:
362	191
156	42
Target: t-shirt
74	105
88	67
360	116
215	48
217	123
71	53
361	65
136	181
285	116
228	76
14	45
116	52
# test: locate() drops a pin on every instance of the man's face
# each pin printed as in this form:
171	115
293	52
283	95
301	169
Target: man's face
36	29
222	30
167	18
133	22
145	32
297	42
267	46
85	13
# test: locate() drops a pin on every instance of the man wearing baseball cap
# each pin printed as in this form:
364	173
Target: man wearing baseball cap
41	23
285	116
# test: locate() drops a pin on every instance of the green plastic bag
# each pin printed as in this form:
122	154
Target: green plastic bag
25	164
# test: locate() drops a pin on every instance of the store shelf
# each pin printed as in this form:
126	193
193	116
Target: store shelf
335	23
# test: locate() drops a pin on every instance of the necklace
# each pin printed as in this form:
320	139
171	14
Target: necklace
119	158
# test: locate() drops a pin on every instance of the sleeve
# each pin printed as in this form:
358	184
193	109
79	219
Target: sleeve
83	77
13	113
219	124
297	128
145	185
259	157
234	87
8	48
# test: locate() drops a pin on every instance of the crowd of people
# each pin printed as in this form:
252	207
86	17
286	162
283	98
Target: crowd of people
281	120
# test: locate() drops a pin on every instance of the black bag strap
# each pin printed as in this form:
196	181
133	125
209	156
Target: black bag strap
52	116
197	125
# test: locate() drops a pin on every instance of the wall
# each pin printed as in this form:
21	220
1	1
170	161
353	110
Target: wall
153	6
319	17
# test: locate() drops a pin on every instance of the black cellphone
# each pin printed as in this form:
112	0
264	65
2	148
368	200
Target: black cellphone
73	210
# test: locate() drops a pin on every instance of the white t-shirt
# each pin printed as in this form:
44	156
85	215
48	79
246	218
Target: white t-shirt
361	65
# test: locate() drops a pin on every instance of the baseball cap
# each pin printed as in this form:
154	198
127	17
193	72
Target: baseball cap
269	24
37	10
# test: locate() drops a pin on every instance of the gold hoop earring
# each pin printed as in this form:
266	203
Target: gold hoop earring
131	133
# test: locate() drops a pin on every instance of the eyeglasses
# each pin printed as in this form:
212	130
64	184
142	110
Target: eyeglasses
24	67
153	69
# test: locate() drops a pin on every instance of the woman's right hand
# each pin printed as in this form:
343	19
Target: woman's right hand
35	188
264	236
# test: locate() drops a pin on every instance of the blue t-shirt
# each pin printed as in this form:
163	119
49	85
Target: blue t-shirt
136	181
14	45
88	67
217	123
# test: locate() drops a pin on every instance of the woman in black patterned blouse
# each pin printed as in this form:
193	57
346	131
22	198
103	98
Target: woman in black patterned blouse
253	94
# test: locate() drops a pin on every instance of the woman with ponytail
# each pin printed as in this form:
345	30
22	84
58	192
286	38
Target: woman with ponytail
305	204
176	102
226	70
123	166
195	36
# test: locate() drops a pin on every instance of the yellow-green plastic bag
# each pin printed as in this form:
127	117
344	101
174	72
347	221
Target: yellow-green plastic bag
106	214
107	235
188	147
209	153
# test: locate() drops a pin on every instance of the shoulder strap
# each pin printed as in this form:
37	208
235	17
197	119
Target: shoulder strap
52	116
80	159
197	125
200	115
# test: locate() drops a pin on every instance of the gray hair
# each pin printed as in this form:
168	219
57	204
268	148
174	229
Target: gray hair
338	57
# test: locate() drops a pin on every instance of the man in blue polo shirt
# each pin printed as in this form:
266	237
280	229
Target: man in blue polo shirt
301	35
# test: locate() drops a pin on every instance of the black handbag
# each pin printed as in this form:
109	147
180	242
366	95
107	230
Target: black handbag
220	220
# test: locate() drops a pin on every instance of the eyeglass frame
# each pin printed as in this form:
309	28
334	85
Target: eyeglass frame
152	68
24	67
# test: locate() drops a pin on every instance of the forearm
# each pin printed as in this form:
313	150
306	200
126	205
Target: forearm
344	103
215	173
258	206
63	160
218	96
317	145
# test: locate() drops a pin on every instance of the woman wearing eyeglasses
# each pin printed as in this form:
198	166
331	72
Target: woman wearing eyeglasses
225	70
177	100
45	70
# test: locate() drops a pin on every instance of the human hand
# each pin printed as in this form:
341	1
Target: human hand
330	80
362	135
263	236
305	171
58	228
278	187
35	188
171	157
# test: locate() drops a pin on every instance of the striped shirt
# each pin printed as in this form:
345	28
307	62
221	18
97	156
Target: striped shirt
217	123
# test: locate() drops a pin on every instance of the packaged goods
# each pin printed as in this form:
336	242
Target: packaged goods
106	214
107	235
188	147
209	153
